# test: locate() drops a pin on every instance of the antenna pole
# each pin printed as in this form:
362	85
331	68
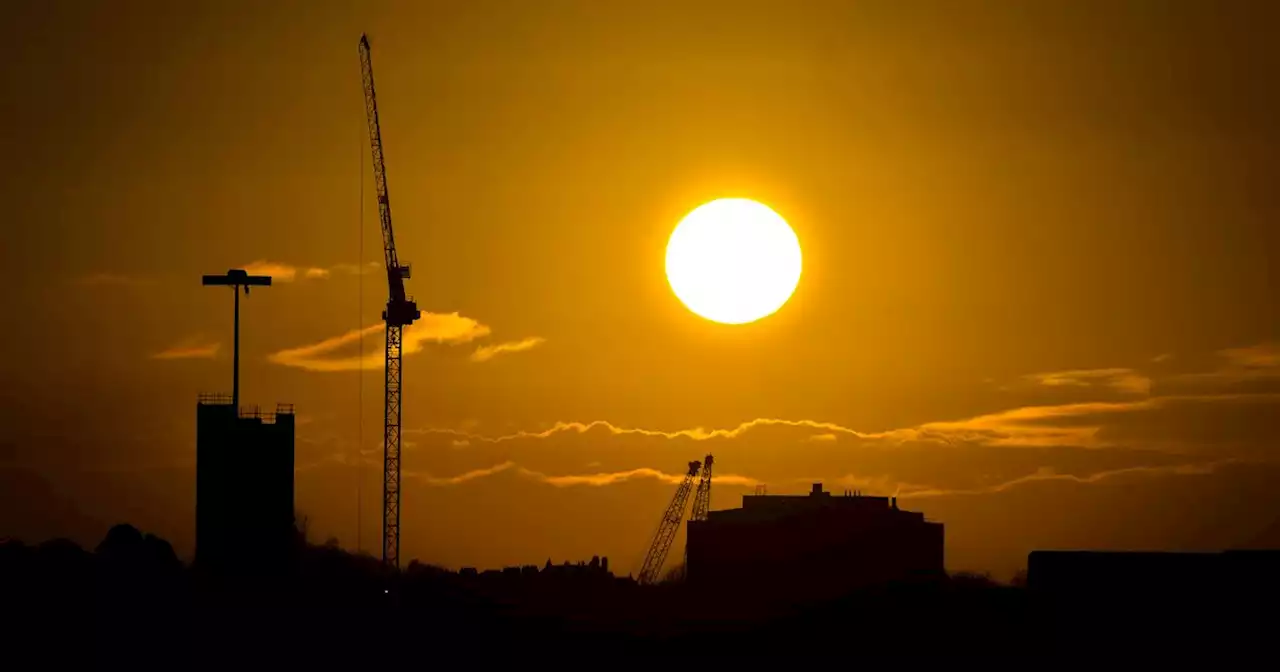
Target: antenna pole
235	279
235	354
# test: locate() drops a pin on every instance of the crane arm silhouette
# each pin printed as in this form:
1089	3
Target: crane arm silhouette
650	572
702	497
401	311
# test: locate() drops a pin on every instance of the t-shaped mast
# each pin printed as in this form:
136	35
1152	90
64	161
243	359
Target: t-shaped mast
235	279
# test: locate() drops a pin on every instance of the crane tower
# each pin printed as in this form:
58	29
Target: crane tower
667	528
401	311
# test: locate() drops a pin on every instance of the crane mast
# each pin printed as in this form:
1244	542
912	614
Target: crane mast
667	528
401	311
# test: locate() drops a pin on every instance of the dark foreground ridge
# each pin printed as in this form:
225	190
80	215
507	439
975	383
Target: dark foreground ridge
132	592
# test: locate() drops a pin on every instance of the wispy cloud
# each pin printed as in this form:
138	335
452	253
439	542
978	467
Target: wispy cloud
191	348
609	478
460	478
279	272
1251	368
485	353
696	433
285	272
1261	356
1048	474
1036	425
1123	380
450	328
1090	425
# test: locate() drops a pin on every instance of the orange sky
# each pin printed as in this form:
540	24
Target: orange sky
1038	297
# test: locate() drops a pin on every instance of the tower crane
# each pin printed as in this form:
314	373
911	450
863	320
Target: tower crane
401	311
670	524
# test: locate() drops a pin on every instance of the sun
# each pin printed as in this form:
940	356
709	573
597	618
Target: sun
733	261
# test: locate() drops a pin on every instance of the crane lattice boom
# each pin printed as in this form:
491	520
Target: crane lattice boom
702	498
401	311
667	528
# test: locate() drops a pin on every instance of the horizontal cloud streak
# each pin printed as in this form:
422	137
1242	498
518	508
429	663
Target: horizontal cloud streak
485	353
279	272
190	349
460	478
1048	474
450	328
1123	380
696	434
609	478
1080	425
1261	356
284	272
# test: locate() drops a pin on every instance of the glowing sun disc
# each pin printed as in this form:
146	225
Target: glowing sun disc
733	261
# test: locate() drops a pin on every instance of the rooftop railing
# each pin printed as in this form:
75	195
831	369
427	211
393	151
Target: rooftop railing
214	399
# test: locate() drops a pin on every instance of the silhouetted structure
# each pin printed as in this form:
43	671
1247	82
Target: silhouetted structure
667	527
813	545
236	278
401	312
1100	600
244	470
1131	576
244	487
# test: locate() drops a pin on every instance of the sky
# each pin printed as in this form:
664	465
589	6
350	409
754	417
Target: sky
1037	301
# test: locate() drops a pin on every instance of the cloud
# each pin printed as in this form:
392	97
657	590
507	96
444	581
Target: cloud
1082	442
284	272
1261	356
357	269
450	328
609	478
696	433
1057	425
1123	380
1049	474
485	353
279	272
191	348
460	478
1251	369
111	280
603	478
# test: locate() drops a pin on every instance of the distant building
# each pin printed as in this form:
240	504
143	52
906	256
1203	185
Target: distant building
815	544
244	487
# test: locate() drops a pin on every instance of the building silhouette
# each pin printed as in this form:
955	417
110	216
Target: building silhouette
812	545
244	487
